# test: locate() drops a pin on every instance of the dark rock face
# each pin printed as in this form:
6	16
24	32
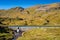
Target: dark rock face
17	9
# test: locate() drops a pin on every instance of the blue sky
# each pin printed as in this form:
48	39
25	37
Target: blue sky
6	4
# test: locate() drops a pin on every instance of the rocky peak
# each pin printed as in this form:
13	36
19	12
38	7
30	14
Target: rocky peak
17	9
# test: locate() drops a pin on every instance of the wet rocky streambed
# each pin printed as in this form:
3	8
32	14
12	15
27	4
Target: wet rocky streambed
21	30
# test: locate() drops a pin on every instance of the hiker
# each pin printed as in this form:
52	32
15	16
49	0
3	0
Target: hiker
18	30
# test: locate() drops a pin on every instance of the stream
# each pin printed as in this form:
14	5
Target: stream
16	35
21	30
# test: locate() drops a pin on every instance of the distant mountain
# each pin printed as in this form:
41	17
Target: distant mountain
48	14
13	11
45	7
17	9
50	6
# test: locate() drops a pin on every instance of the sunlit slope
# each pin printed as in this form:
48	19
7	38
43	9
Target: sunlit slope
41	34
48	14
13	12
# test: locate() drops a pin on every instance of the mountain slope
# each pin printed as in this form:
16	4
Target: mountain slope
37	15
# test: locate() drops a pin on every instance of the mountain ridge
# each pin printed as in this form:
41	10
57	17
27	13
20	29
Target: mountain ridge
36	15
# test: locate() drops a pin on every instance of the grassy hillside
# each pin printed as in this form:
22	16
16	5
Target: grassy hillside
48	14
41	34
